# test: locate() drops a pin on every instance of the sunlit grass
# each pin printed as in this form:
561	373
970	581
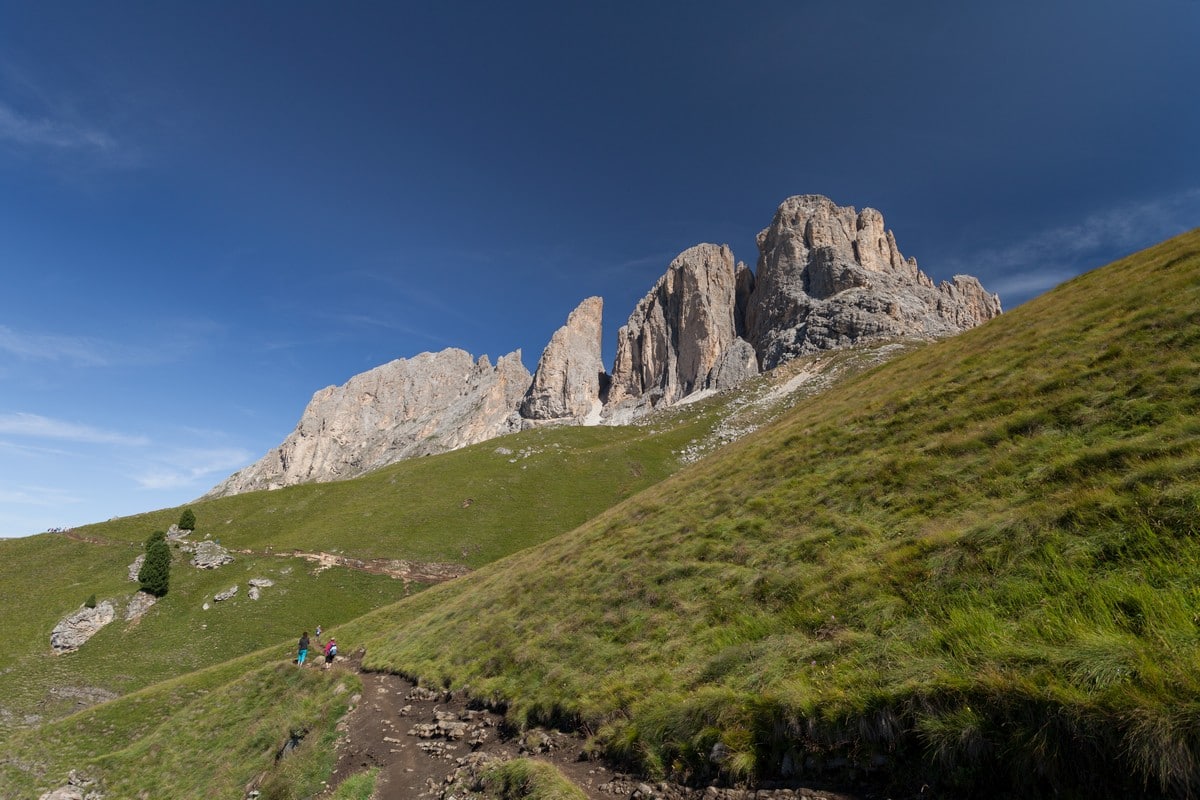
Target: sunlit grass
978	560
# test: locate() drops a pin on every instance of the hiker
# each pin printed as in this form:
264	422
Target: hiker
330	651
318	634
302	648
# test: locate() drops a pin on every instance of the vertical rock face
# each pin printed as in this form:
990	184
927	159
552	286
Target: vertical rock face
568	378
829	276
431	403
681	331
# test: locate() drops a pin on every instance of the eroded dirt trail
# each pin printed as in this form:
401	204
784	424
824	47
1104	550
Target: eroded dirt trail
431	745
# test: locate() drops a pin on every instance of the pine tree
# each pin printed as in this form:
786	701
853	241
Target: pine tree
187	520
155	574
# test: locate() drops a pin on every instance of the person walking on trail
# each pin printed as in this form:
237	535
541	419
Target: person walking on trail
330	651
302	648
318	634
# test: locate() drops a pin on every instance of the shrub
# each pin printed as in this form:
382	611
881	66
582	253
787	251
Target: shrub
187	520
90	602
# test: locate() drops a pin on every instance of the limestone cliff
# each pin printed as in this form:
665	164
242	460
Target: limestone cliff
430	403
680	337
570	373
829	276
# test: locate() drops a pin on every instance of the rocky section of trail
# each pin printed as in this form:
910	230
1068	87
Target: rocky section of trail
435	745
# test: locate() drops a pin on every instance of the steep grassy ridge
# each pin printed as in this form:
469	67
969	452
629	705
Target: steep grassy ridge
978	562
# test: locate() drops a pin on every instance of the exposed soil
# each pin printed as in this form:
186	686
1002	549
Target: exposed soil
431	745
418	571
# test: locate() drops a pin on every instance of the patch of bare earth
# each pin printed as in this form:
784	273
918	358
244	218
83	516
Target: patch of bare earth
432	745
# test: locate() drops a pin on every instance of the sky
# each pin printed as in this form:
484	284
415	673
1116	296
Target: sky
209	211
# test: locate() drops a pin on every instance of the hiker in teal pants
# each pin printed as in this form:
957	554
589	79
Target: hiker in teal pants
303	648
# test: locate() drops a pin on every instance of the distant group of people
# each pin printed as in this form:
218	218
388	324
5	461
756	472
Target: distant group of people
330	650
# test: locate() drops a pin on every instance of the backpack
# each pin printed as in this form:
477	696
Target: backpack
333	650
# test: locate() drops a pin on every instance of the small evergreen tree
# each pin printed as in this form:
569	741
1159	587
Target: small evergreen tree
155	574
90	602
187	520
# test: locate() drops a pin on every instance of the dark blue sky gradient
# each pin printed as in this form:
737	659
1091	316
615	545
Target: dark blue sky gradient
208	211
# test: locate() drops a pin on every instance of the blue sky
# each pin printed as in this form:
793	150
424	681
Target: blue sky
208	211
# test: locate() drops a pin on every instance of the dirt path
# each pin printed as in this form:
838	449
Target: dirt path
419	571
431	745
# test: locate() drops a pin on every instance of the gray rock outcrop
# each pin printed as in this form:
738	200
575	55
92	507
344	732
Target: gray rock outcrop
136	567
829	277
432	403
73	631
78	787
139	604
210	555
570	373
678	338
228	594
256	587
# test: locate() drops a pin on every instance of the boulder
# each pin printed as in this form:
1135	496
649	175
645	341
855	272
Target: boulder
570	373
210	555
136	567
73	631
220	597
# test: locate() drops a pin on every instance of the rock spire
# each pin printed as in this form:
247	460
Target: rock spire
570	374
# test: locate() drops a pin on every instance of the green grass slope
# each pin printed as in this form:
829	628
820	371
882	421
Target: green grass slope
977	563
521	490
469	506
206	734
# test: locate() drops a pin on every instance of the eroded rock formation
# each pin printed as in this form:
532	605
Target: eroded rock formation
431	403
570	373
679	337
829	276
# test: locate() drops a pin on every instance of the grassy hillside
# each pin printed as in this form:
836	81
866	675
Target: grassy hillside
205	734
471	506
978	562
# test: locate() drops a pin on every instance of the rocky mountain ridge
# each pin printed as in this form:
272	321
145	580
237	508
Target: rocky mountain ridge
827	277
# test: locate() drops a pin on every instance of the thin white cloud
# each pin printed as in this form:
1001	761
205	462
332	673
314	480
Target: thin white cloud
190	467
38	427
38	496
29	131
1027	284
79	350
1035	263
166	347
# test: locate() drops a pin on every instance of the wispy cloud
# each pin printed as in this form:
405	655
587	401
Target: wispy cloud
38	496
189	467
1035	263
39	427
30	131
78	350
181	339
